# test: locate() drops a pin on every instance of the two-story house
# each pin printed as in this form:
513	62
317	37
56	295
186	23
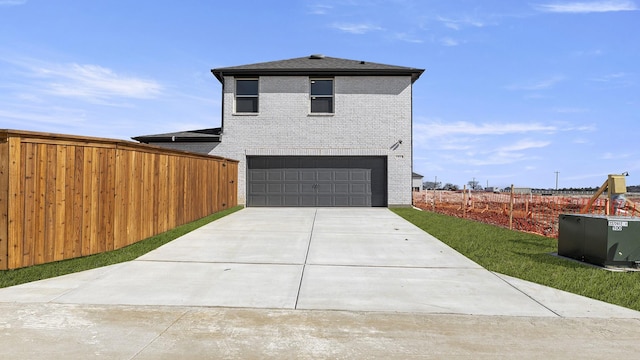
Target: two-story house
319	131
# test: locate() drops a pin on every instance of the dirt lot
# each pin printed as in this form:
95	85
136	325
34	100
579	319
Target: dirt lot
532	213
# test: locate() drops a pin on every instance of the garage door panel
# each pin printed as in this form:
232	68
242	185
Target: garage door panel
324	188
359	175
308	188
258	188
325	200
342	175
341	188
341	200
274	200
274	188
291	200
291	175
308	200
358	201
257	175
316	181
258	200
324	175
275	175
358	189
308	175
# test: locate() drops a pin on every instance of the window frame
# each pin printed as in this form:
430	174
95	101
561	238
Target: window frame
246	96
313	97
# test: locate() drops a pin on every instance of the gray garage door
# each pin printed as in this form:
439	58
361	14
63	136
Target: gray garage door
316	181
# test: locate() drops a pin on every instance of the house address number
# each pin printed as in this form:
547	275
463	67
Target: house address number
618	225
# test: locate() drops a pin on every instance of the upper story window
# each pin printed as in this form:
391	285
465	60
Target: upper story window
321	95
246	95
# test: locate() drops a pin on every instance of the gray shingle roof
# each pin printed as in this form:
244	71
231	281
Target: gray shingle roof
212	134
317	65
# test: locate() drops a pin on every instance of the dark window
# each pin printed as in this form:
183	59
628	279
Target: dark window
321	95
247	95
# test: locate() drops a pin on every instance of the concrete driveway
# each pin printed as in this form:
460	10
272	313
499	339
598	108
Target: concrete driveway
312	258
313	276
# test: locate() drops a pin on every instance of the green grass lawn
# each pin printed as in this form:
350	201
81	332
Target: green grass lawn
528	257
45	271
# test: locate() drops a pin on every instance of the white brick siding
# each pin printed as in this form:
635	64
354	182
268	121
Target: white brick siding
371	114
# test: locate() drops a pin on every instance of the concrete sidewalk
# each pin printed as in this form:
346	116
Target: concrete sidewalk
326	268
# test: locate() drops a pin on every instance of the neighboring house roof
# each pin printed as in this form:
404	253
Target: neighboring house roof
203	135
416	175
317	65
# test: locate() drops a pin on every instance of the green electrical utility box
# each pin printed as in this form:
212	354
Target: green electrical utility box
599	239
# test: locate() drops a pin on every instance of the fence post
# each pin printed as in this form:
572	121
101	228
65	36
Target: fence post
511	209
4	204
433	204
464	201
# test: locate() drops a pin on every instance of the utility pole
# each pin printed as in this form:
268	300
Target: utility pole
557	172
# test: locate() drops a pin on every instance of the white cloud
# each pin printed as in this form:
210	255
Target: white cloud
611	77
320	9
95	82
588	7
619	79
502	155
524	145
358	29
407	38
457	24
497	159
570	110
582	128
615	156
538	85
439	129
447	41
32	79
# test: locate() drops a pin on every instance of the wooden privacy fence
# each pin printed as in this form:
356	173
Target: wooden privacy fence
63	197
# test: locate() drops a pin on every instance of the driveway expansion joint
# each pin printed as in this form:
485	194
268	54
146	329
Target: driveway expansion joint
306	257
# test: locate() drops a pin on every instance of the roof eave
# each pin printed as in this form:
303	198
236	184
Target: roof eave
221	73
166	139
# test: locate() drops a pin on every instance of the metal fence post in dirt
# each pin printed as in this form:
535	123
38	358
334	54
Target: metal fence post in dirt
511	209
464	201
435	185
433	203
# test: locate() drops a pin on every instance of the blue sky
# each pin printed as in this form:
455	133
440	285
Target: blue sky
513	90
